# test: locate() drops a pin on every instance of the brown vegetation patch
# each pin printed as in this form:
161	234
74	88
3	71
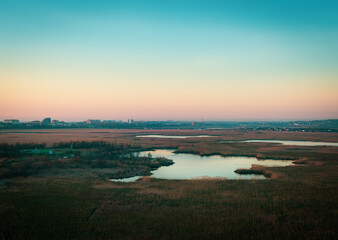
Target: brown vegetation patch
316	163
228	194
151	190
171	190
268	173
108	185
275	175
146	179
301	161
108	207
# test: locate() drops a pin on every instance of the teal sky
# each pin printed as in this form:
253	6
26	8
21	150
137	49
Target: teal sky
220	60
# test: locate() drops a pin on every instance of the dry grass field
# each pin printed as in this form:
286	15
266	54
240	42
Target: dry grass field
202	146
298	202
128	135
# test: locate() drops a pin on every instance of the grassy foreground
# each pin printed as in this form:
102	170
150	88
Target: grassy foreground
302	205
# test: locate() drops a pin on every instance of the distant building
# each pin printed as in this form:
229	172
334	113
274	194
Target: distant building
130	121
55	122
93	121
12	121
46	121
36	122
109	121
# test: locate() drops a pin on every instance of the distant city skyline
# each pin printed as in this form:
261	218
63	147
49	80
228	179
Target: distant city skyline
158	60
140	120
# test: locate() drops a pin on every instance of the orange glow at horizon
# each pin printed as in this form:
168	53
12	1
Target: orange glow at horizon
28	97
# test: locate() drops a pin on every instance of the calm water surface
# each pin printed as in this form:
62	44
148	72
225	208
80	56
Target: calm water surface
190	166
297	143
130	179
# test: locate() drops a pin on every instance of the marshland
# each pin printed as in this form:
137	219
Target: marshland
66	189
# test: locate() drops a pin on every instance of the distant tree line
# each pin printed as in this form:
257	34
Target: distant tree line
92	144
15	150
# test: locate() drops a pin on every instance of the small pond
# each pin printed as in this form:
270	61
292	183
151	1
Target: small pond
191	166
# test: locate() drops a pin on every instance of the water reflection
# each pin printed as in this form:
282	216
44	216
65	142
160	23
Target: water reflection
296	143
190	166
130	179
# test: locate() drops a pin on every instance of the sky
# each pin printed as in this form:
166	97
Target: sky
168	59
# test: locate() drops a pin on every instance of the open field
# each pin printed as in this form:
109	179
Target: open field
88	134
298	202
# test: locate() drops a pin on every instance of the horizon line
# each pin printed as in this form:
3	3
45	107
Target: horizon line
181	120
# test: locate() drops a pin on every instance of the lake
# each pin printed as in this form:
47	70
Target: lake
191	166
171	136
